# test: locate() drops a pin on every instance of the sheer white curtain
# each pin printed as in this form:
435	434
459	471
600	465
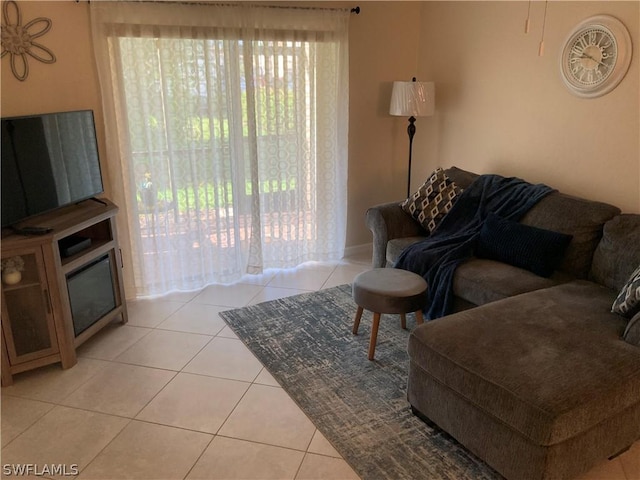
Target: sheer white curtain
226	137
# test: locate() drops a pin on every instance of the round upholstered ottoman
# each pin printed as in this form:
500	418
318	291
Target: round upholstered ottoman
388	290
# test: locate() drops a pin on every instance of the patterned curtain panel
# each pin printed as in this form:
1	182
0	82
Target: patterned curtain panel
226	137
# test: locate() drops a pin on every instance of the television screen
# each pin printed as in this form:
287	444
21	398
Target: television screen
48	161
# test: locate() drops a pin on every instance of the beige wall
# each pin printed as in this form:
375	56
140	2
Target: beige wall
501	108
383	48
70	82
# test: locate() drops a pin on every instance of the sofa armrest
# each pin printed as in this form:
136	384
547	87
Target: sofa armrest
386	222
632	332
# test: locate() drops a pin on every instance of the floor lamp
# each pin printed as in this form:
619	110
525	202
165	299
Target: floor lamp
412	99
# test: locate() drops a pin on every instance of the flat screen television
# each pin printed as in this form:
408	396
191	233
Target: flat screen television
48	161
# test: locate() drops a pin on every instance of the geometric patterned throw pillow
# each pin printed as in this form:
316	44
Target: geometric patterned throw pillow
433	200
628	302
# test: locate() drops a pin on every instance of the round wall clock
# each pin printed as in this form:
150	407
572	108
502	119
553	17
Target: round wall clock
596	56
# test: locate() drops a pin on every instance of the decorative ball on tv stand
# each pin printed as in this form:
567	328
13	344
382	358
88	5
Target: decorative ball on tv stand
12	268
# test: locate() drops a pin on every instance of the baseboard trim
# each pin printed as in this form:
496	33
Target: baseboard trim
358	249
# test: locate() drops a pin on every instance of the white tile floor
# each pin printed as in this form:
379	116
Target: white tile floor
175	394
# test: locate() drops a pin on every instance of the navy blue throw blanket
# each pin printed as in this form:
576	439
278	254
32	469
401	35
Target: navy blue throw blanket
453	241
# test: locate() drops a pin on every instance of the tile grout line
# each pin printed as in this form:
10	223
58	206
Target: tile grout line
199	456
107	445
31	424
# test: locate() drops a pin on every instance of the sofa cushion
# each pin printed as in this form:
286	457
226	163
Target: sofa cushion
481	281
627	303
397	245
613	260
433	200
549	364
535	249
632	332
574	216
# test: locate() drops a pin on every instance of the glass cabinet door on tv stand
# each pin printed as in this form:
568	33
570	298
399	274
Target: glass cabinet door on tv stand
30	330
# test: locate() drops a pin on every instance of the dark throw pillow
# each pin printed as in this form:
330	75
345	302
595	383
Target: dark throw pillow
433	200
535	249
627	303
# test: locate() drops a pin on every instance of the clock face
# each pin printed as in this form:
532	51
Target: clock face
596	56
592	56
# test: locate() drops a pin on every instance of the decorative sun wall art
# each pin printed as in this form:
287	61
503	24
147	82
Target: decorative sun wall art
18	40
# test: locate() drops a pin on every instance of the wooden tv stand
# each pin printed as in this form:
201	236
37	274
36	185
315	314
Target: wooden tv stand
37	312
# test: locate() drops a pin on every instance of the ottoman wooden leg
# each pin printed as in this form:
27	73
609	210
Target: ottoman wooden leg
419	317
403	321
356	322
374	335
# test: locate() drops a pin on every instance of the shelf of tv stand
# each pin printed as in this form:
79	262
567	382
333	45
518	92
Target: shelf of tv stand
20	286
81	258
91	219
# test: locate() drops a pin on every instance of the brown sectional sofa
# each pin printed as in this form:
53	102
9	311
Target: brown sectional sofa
531	374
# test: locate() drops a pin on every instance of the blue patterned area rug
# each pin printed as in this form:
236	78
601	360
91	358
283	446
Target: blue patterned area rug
360	406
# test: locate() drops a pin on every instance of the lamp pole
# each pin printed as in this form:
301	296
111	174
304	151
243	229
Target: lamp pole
411	131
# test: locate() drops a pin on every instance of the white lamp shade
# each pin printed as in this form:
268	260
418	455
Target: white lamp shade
413	99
